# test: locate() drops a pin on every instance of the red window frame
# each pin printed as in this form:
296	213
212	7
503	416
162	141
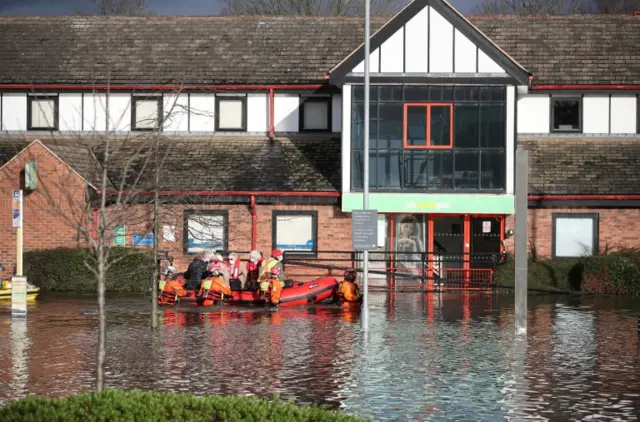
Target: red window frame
427	107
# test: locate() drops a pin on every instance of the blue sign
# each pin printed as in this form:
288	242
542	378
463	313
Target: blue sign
140	239
306	246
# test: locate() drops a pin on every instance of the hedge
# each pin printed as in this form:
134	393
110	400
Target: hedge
64	269
615	273
116	405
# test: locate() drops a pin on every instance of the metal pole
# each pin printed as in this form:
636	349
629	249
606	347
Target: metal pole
522	171
365	275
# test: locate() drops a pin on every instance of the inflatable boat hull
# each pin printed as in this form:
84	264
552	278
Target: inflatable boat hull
299	294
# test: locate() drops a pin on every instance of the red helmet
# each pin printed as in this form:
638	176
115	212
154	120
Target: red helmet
276	253
350	274
275	271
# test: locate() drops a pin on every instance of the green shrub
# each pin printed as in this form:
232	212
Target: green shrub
64	269
615	273
114	405
559	275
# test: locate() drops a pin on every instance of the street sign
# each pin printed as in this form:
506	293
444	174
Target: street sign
364	226
18	295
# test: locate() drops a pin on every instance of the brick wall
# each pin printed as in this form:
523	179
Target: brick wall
51	213
618	228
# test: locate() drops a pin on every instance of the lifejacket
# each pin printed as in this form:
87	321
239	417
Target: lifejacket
271	290
265	268
214	288
348	291
234	271
170	290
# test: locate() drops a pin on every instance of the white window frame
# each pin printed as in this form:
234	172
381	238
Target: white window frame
34	99
314	231
243	125
134	105
595	217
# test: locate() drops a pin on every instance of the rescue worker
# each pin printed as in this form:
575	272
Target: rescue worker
236	277
271	287
213	288
348	291
217	262
251	271
196	272
269	263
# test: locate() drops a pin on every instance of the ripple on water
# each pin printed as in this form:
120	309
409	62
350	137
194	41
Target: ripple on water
424	358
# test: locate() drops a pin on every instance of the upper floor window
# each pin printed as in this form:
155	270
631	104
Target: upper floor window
42	112
315	114
566	114
231	113
428	126
146	113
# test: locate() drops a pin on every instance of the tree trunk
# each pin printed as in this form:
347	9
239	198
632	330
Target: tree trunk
102	322
156	234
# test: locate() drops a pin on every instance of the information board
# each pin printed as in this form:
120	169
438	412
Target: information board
364	226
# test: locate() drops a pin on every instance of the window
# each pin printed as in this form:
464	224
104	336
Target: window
205	230
146	113
315	114
566	114
574	235
42	112
296	231
428	126
231	113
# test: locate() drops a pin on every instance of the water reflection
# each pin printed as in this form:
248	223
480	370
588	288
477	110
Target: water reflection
426	357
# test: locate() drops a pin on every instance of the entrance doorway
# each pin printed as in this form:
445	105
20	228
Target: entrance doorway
485	242
448	245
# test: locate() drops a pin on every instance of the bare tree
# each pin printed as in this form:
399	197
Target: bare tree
530	6
120	7
308	7
613	6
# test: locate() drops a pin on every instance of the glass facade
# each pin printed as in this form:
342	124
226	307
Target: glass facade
431	138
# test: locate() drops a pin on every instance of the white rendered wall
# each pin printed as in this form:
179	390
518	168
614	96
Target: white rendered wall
417	35
391	54
175	112
595	114
486	64
346	138
286	112
258	113
624	113
202	112
440	43
119	112
14	111
70	112
95	112
465	54
533	113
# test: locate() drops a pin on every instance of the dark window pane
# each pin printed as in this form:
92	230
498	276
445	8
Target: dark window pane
440	170
390	121
492	93
417	126
440	125
391	93
416	169
566	114
358	93
466	176
466	93
416	93
389	169
492	170
435	93
357	132
373	169
466	125
357	165
492	126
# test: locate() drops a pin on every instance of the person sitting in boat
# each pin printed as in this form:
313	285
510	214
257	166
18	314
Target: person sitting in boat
197	271
217	262
236	277
348	291
271	288
274	261
251	271
214	288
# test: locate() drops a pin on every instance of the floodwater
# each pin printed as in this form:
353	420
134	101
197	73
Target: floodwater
450	356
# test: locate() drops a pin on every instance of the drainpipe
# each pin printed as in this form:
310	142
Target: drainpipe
254	223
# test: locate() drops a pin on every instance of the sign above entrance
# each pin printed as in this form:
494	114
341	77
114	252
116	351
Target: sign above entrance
364	230
432	203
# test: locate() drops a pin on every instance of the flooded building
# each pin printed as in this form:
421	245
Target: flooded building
259	122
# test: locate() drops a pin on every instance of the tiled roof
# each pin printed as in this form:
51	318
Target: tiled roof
574	49
569	49
583	167
8	150
212	164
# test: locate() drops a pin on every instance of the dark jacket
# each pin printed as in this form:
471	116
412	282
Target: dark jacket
196	272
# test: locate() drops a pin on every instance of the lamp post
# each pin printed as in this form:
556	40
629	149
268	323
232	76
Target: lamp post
365	274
